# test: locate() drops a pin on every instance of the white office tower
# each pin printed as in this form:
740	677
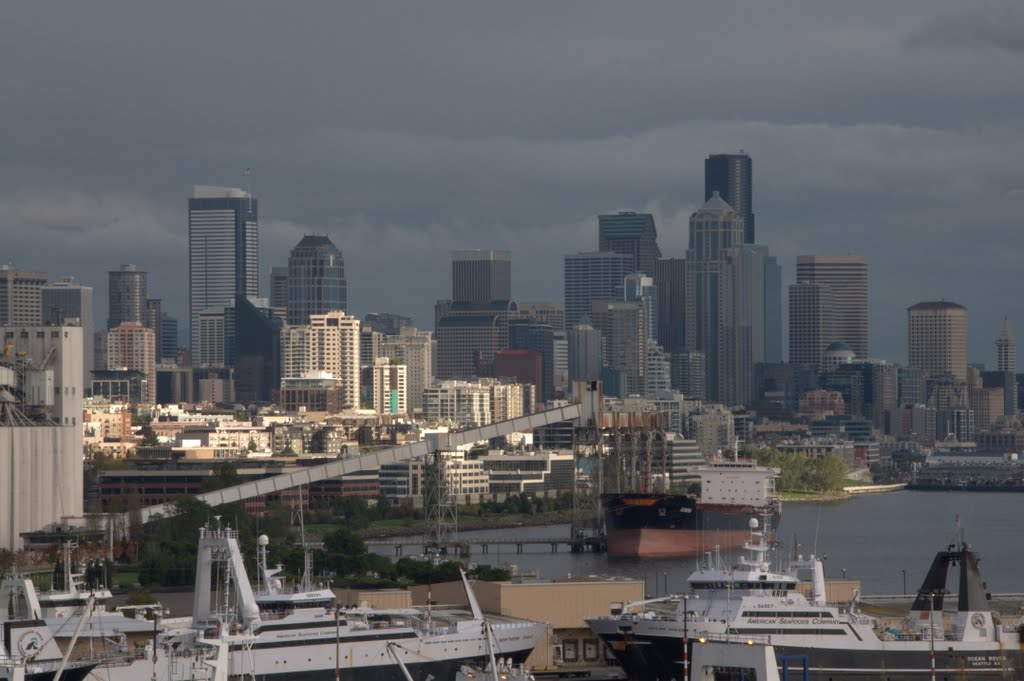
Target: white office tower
40	428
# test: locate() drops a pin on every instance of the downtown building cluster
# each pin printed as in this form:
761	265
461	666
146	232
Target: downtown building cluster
694	337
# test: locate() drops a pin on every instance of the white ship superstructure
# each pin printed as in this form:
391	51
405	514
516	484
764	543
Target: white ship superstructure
747	602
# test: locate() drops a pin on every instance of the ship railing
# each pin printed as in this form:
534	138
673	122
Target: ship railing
749	639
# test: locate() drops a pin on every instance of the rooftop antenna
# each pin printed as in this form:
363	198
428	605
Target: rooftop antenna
247	174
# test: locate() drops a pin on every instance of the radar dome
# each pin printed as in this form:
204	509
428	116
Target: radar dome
263	540
251	612
754	524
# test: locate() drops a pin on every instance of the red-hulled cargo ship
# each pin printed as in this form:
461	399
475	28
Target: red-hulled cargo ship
643	525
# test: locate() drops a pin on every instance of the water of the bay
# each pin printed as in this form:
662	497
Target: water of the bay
873	538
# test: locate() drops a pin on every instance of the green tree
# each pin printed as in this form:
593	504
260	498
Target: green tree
224	475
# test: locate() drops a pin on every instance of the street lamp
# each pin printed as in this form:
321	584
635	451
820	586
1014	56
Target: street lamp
686	636
904	571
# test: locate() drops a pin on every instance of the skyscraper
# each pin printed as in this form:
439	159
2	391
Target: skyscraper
168	338
847	277
480	277
20	296
937	339
670	277
154	320
279	291
714	229
257	349
316	279
1006	349
65	302
473	325
589	277
624	328
223	250
584	353
632	234
731	175
810	322
127	293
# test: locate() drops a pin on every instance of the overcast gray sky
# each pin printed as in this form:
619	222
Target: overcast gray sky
406	130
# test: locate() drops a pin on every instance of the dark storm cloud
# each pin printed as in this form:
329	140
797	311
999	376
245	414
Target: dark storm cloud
404	131
982	26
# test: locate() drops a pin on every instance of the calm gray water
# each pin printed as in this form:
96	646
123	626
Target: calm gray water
874	538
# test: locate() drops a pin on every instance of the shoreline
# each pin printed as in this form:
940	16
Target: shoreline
471	523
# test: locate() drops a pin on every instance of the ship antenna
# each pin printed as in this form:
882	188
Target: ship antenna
817	530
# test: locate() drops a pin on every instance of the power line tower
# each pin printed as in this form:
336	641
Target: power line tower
439	505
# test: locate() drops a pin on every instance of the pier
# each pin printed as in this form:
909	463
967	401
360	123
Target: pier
462	548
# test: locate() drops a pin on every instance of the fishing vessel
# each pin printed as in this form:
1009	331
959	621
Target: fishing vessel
30	651
747	603
297	634
651	525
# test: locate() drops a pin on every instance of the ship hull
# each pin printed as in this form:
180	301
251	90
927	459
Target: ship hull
389	671
675	526
644	658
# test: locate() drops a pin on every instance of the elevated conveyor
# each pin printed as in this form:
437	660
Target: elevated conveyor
372	460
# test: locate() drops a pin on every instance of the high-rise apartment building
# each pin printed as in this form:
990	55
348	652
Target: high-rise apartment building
131	346
127	293
414	349
731	175
1006	349
316	279
810	322
589	277
223	250
390	387
480	277
847	277
20	296
937	339
632	234
330	342
67	303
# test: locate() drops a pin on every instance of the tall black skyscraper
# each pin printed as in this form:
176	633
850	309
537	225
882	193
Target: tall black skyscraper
316	279
223	251
731	175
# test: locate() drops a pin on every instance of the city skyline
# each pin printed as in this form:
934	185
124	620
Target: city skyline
922	186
